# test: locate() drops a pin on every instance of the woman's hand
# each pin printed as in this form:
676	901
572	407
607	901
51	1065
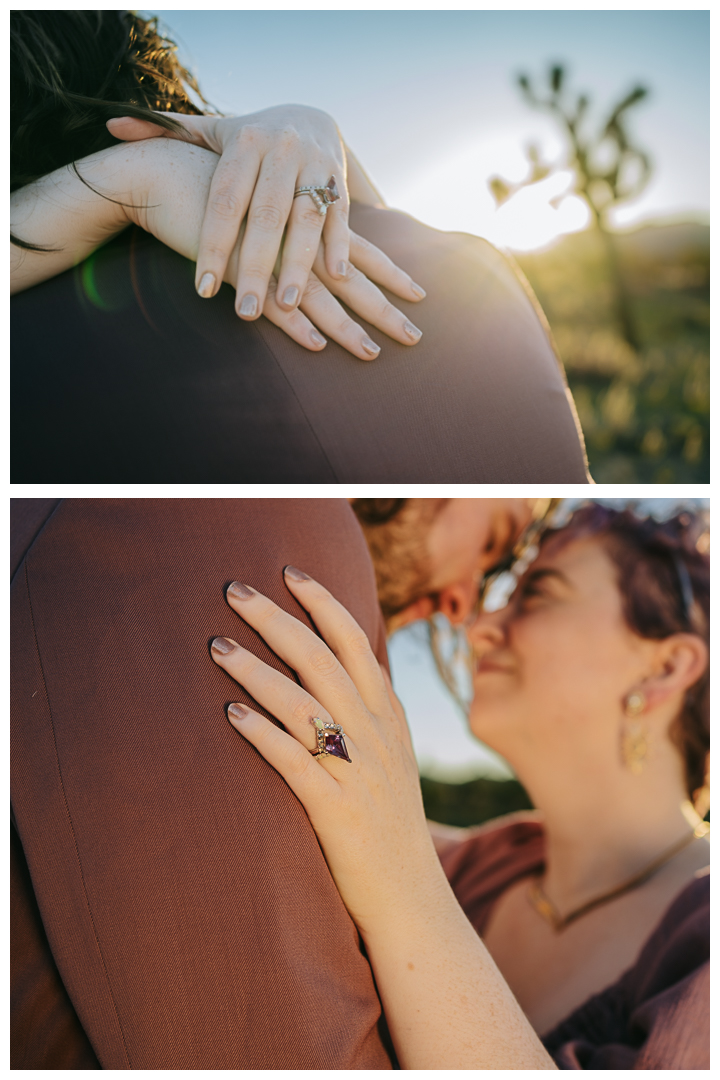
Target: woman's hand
446	1004
368	815
265	156
163	187
318	305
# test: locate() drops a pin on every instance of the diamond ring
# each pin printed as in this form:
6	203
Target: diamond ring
321	196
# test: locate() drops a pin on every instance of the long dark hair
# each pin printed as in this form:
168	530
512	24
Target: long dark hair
70	71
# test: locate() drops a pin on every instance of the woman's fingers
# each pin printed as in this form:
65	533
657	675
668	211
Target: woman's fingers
330	317
299	252
230	192
268	214
312	784
196	129
290	703
345	637
366	300
336	234
322	674
380	268
296	325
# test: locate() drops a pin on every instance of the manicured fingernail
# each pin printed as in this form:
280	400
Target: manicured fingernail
419	292
370	347
412	331
222	645
240	592
290	296
207	285
316	338
249	306
342	268
237	712
296	575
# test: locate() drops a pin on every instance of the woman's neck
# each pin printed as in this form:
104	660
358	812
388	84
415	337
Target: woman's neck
601	830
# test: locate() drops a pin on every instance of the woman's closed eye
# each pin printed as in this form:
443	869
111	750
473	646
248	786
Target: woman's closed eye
530	593
539	586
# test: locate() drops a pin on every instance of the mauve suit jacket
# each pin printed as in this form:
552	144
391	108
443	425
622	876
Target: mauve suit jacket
122	374
171	907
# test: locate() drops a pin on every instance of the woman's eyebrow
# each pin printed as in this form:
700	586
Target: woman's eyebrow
546	572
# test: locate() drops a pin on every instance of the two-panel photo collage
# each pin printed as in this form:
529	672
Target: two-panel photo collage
360	540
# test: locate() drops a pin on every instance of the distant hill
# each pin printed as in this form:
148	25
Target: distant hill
670	242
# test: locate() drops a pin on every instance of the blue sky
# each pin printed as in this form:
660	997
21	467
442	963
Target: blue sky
423	97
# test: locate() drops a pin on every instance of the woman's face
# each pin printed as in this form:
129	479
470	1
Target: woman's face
553	668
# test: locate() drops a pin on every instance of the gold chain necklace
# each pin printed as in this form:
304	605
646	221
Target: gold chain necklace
545	907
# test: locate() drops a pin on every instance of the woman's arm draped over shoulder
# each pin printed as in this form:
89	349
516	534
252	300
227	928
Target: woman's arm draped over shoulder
162	186
446	1003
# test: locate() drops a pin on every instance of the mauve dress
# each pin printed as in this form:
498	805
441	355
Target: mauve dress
657	1014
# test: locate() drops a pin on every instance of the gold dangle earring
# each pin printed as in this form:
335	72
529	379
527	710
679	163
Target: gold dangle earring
634	735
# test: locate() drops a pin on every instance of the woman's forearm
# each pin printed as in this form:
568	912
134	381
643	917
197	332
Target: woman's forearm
66	218
446	1003
160	185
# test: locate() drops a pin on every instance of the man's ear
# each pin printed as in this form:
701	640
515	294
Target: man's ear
680	661
457	601
419	609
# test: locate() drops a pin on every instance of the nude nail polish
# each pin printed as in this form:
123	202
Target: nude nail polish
222	645
296	575
412	331
419	292
240	591
290	296
342	268
249	306
207	285
237	712
370	347
316	338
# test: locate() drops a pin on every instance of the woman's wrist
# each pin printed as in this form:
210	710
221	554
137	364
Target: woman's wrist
71	212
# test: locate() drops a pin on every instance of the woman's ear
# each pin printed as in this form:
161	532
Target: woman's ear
680	661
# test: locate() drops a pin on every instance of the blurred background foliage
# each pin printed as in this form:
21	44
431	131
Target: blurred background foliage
473	802
645	412
630	312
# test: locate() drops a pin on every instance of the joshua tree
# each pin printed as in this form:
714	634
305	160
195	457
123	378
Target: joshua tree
607	169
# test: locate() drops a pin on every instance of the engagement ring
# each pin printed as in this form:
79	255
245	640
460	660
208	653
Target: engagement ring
329	740
321	196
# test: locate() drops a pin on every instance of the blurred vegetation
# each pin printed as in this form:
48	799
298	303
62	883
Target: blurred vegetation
645	411
473	802
607	169
630	312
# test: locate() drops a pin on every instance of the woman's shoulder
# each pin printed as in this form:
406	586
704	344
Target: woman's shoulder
657	1015
481	864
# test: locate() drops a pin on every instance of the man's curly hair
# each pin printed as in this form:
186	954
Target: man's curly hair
396	532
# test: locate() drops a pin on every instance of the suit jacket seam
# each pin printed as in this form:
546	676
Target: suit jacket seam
300	405
70	822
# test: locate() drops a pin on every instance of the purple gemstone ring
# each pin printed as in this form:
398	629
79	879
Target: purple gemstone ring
321	196
329	740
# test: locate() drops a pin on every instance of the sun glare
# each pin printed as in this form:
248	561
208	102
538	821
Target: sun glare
455	196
